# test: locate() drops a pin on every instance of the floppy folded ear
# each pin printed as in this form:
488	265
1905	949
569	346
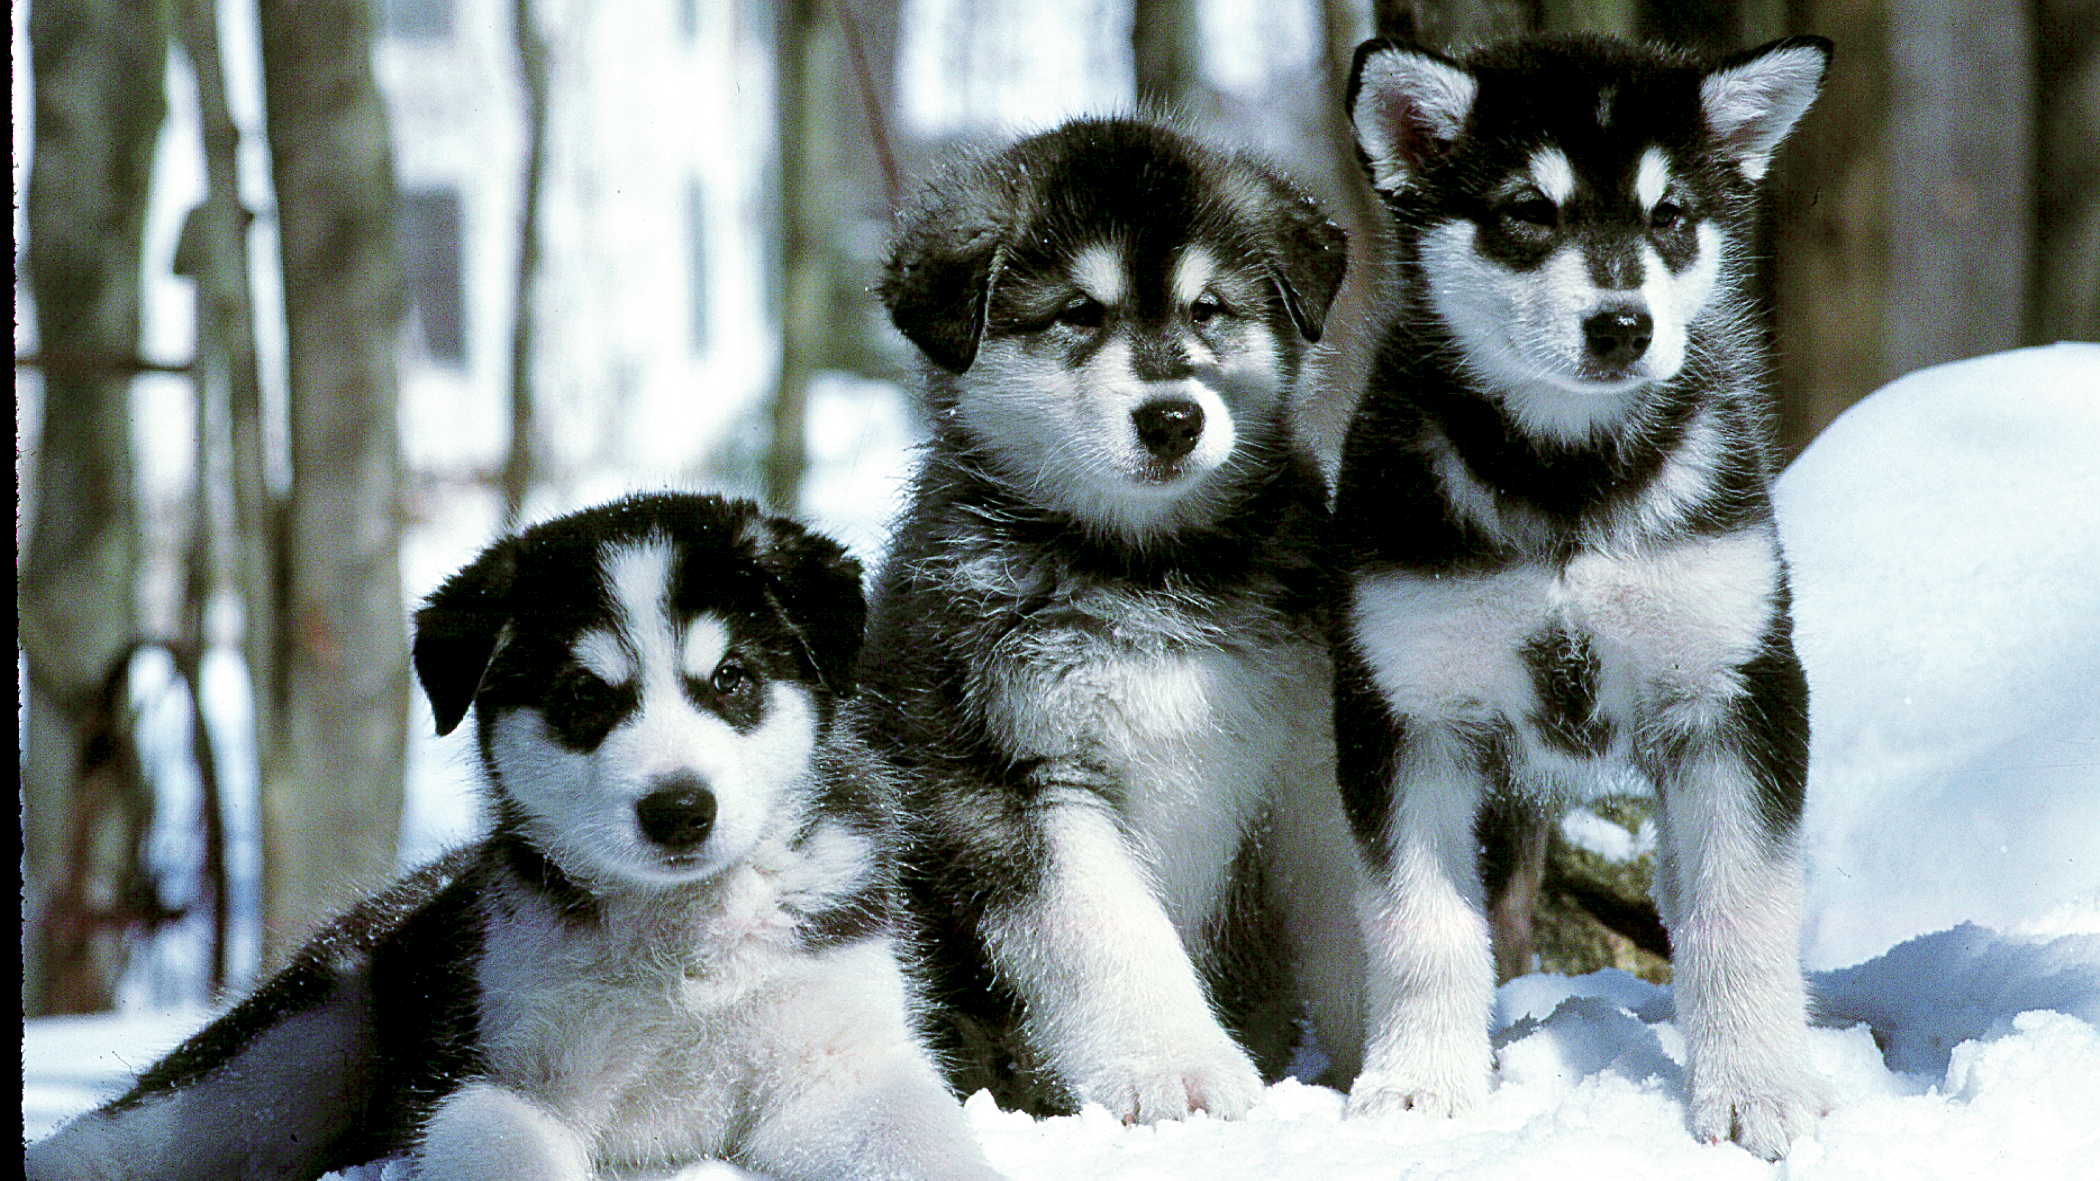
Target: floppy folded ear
1408	104
1752	100
938	283
816	585
1309	254
458	628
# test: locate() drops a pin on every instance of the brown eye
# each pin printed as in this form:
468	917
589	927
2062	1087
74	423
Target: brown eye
729	678
1205	309
1082	312
1666	215
1535	211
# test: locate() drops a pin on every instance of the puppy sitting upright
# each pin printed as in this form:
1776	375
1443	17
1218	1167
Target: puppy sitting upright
676	942
1554	510
1096	648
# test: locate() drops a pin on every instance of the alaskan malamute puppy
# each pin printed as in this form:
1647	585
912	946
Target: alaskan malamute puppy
1554	514
1096	647
676	942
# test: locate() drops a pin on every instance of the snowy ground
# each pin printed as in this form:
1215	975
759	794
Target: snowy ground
1945	543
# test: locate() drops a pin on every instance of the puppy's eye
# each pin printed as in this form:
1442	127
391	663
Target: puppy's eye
730	678
1667	215
1533	211
582	708
584	692
1205	309
1082	312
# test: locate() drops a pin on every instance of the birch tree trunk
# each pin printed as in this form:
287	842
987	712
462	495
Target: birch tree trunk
97	67
331	799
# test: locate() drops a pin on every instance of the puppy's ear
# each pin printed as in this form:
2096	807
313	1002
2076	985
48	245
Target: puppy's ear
458	628
816	585
1309	254
1408	105
1752	100
938	283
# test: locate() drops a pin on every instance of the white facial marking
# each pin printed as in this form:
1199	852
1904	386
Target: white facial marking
582	803
1521	332
1192	274
1098	271
1554	176
602	652
1063	435
706	642
1651	179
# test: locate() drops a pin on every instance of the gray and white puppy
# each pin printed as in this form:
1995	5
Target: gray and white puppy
1554	513
1096	647
677	941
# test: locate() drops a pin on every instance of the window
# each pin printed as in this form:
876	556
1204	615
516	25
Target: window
428	229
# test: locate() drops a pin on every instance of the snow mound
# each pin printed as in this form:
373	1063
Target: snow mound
1944	540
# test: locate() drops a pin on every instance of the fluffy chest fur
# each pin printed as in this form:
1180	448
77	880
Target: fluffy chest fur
1179	707
657	1020
1573	654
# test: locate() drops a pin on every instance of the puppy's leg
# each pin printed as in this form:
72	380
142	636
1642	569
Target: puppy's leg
1730	889
1317	875
847	1093
484	1132
1113	1002
268	1090
1431	979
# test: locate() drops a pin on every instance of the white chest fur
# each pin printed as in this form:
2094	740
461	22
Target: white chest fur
659	1025
1188	738
1668	628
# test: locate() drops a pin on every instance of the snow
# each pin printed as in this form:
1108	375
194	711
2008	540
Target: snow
1944	538
1945	542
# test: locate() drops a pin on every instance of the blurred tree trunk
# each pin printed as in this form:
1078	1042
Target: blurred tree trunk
1829	236
519	466
214	252
2067	208
1960	144
1457	24
331	796
1166	56
805	264
97	68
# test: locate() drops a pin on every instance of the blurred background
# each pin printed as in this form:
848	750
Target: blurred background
315	298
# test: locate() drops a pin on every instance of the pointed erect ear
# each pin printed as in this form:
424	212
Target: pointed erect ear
1752	100
1408	105
458	628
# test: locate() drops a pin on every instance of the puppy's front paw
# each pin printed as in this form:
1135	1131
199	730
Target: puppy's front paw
1222	1082
1380	1093
1764	1119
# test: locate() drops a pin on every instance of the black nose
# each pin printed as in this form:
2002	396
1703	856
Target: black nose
679	814
1169	427
1618	337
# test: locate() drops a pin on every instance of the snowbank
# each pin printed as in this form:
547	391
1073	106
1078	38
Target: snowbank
1944	537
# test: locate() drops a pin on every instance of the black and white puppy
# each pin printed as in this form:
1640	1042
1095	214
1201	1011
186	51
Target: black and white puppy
1096	648
1553	510
675	944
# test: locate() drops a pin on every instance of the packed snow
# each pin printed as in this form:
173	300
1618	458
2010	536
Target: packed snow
1944	537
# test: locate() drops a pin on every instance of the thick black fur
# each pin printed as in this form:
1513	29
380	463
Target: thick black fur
964	264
